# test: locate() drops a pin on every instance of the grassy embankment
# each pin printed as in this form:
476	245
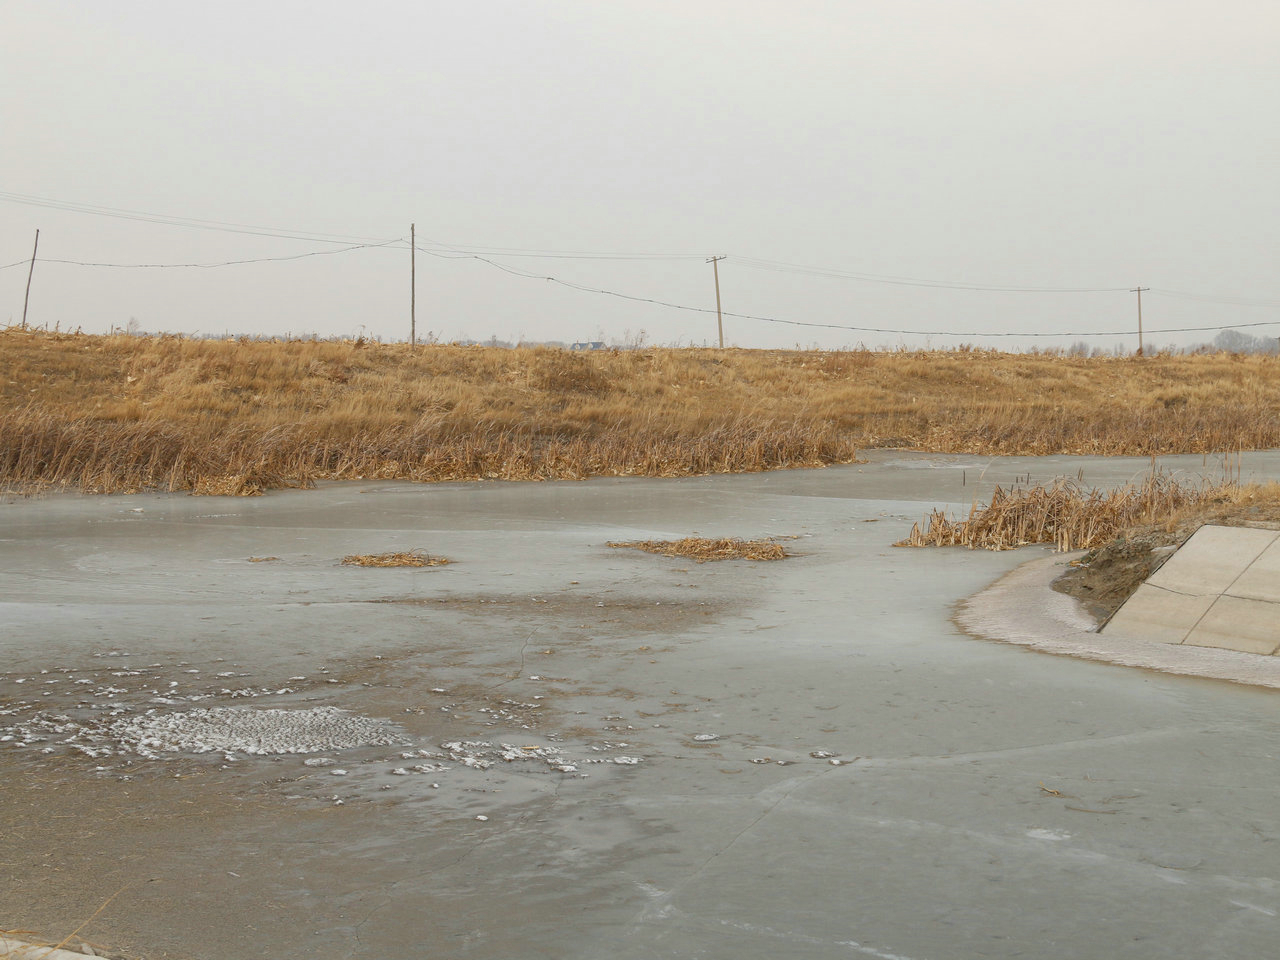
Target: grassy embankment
120	413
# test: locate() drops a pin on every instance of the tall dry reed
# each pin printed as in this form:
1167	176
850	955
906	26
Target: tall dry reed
1068	516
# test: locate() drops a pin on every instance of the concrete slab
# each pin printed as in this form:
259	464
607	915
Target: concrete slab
1221	589
1212	560
1235	623
1262	580
1023	608
1159	616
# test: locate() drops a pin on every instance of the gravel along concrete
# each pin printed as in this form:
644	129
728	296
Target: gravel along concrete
217	741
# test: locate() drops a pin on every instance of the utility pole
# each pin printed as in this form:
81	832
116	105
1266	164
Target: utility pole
413	286
715	267
1138	291
26	299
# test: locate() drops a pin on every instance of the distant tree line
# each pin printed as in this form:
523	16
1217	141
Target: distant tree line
1227	341
1233	341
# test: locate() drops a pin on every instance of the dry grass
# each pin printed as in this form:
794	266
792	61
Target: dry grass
118	413
412	558
1072	518
703	549
20	943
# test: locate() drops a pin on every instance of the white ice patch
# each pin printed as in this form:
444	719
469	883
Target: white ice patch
241	729
1023	608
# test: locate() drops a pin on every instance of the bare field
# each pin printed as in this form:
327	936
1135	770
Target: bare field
121	413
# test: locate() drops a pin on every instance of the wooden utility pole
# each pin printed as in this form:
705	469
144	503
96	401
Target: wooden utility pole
1138	291
26	299
715	267
413	286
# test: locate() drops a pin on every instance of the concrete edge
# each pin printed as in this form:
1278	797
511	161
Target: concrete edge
11	949
1023	608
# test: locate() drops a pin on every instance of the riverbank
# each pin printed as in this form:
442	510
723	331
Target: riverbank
119	413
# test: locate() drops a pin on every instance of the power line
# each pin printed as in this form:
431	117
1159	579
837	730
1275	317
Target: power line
485	254
459	255
226	263
780	267
68	206
469	254
189	222
833	326
479	251
1210	298
952	333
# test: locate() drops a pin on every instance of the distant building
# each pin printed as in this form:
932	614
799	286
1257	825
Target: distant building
588	345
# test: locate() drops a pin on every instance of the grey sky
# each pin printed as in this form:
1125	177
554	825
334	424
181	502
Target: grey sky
1010	144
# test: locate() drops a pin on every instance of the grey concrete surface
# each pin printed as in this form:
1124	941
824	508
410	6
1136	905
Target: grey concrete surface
803	758
1220	589
1023	608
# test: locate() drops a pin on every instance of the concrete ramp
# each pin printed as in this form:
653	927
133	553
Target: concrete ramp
1221	589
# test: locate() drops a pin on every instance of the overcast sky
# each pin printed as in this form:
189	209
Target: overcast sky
1084	146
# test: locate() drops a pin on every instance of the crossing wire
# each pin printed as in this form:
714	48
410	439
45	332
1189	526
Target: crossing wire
472	253
225	263
853	328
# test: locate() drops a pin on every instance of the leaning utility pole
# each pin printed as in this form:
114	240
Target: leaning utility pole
413	286
27	298
1138	291
715	261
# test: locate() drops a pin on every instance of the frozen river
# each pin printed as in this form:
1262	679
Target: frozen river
586	752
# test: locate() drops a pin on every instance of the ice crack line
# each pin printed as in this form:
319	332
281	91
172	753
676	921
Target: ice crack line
663	902
520	669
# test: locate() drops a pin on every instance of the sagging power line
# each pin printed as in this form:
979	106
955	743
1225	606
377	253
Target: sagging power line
224	263
401	242
849	327
193	223
489	254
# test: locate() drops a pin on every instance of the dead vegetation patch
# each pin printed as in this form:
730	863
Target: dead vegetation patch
1105	577
1129	531
1067	515
411	558
704	549
110	414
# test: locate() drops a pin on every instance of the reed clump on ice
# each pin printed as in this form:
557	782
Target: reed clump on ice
399	558
1072	518
704	549
122	413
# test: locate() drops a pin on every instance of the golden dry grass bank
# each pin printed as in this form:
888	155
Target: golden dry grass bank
117	413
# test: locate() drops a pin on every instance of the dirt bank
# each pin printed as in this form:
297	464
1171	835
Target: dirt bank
1103	579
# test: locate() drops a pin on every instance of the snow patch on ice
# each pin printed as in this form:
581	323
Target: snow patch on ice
246	730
